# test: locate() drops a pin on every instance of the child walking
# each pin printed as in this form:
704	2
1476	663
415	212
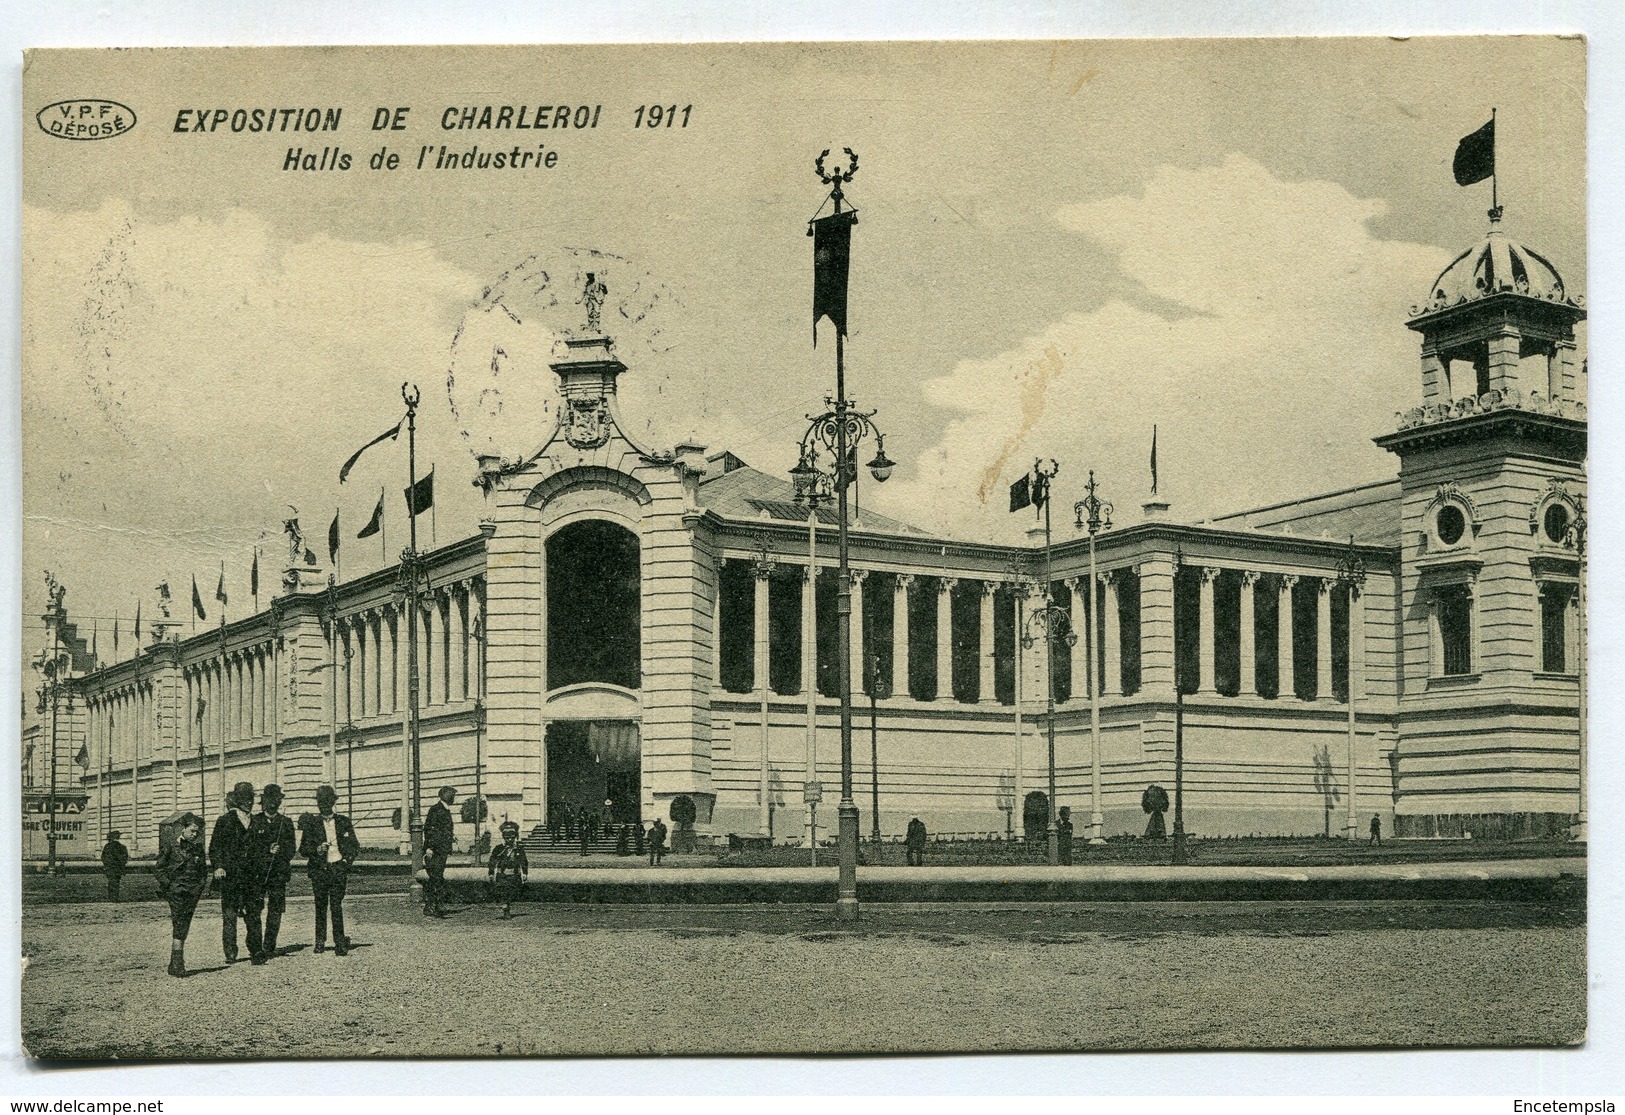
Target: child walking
508	868
183	876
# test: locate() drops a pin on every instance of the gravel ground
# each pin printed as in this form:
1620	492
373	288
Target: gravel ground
788	979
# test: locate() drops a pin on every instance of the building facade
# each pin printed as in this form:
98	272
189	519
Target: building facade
634	624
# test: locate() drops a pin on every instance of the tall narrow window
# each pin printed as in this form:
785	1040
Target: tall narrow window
1554	609
1455	605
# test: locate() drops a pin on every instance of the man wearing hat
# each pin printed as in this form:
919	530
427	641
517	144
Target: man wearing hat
273	840
327	841
437	836
509	867
231	854
115	858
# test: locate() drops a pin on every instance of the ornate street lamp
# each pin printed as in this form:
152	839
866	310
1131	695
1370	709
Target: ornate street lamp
814	488
1095	515
834	436
762	566
1018	574
1351	576
1053	625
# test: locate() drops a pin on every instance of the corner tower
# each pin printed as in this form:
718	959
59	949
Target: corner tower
1492	469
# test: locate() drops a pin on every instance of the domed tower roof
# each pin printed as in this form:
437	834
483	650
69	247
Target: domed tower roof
1495	265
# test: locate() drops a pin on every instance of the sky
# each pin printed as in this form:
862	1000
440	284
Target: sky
1059	246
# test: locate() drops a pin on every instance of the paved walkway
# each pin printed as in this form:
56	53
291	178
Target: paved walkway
1521	878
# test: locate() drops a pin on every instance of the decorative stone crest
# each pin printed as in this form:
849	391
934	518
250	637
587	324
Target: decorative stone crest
586	422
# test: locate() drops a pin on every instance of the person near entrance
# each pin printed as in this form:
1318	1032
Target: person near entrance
657	842
273	839
509	868
115	858
327	841
1063	835
1376	829
231	853
437	840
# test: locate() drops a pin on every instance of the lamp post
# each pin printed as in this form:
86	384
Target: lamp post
1180	852
762	566
835	436
1576	536
813	488
51	668
1351	576
1020	578
1054	626
1095	515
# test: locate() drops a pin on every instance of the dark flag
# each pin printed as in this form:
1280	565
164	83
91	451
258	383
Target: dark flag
376	523
220	587
832	258
138	616
197	600
1021	493
333	538
1153	459
95	655
201	705
115	638
83	758
388	435
1040	490
254	576
1475	156
420	496
310	556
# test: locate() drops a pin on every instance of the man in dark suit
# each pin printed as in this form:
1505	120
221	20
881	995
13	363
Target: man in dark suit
327	841
273	839
115	859
231	854
437	837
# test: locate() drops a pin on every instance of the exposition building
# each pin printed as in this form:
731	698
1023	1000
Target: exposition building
631	624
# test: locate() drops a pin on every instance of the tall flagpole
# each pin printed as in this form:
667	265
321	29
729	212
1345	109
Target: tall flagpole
1495	201
383	528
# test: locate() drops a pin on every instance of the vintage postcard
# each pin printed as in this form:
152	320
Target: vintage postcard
946	547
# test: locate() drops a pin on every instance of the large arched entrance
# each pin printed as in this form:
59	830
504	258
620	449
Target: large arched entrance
594	668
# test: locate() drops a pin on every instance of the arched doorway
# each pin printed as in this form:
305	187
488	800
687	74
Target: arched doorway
594	649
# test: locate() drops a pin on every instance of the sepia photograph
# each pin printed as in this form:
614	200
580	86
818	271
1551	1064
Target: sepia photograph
951	547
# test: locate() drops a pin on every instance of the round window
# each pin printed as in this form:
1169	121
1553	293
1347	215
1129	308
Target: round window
1450	523
1557	523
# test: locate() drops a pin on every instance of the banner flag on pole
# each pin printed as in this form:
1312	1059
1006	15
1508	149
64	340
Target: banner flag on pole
388	435
420	496
165	589
832	260
254	577
115	636
376	523
202	704
1475	156
1040	489
197	600
1153	459
83	758
333	538
220	588
1021	493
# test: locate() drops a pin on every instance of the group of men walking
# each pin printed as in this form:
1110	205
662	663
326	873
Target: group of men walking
250	857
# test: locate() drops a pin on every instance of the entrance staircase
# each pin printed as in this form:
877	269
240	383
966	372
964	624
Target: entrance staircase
538	842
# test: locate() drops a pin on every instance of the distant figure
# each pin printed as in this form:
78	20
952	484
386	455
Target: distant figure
623	842
657	842
553	812
914	839
327	840
509	868
586	831
637	840
115	858
1063	835
183	876
1376	830
231	853
438	833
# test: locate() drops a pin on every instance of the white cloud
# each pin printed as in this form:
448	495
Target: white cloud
1261	328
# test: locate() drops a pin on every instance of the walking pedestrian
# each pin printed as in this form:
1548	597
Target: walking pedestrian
657	842
273	839
183	876
914	838
1376	829
231	854
328	842
437	841
1063	835
115	858
509	868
